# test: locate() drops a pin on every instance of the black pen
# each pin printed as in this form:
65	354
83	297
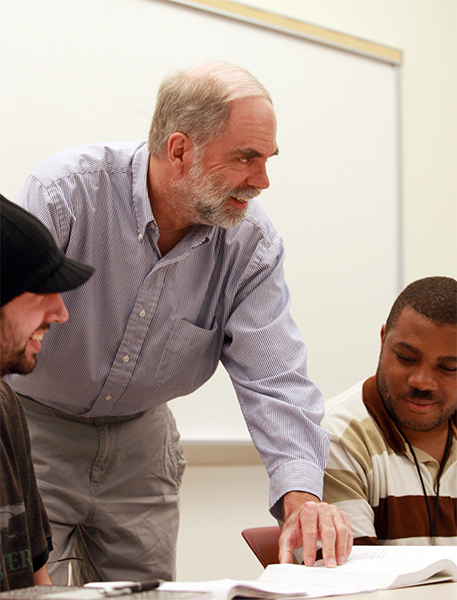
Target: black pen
127	588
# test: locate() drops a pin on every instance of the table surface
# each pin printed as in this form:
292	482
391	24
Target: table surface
38	592
444	591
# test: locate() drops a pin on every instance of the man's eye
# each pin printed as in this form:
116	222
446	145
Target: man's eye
448	369
406	358
244	160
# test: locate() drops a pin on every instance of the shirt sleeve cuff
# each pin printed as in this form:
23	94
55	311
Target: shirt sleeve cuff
294	476
41	559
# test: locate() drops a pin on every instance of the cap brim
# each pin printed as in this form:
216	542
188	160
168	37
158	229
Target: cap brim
68	276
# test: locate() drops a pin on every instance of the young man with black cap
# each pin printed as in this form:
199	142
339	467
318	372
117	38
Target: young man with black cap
33	273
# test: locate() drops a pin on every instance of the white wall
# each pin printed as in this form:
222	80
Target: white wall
426	31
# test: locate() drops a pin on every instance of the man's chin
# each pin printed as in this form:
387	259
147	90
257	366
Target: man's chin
233	218
226	221
232	222
23	367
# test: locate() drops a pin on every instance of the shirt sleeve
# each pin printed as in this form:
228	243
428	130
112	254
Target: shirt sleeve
265	357
19	486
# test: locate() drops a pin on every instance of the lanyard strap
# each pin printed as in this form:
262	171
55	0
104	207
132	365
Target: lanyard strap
433	525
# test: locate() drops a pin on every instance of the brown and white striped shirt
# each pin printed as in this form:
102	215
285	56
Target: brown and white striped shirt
371	474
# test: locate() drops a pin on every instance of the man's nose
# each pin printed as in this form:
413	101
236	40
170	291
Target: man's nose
259	178
423	378
57	311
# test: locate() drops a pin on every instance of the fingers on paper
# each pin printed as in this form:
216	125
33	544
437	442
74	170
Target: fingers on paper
325	522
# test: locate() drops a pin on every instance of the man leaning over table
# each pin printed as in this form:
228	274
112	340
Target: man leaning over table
189	272
393	449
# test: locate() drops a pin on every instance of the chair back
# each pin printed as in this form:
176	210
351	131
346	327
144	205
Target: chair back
264	542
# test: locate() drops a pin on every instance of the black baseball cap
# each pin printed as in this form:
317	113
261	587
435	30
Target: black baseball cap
30	259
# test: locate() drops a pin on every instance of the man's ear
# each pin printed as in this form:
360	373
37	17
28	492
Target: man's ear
383	335
180	151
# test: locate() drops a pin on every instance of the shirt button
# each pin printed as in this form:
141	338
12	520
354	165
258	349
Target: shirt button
108	398
140	237
142	313
126	358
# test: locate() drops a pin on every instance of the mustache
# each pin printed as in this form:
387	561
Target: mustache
43	328
244	193
417	394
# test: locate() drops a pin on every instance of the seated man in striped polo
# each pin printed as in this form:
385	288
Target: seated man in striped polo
393	452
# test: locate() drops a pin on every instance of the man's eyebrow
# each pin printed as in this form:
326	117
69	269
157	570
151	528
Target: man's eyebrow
447	358
414	350
252	153
406	346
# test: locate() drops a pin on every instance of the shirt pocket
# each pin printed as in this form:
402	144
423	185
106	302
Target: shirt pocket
190	356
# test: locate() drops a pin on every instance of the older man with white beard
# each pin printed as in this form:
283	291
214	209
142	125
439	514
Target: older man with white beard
189	272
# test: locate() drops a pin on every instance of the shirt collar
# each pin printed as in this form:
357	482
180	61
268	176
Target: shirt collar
140	195
375	406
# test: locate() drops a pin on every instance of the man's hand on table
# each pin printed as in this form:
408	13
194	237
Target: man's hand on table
307	520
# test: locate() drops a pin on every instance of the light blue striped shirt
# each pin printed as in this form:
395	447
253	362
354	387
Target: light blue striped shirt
146	328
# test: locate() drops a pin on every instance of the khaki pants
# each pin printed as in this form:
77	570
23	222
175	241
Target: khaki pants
111	490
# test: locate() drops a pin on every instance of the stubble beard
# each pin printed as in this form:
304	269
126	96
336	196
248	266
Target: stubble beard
13	353
14	360
413	423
